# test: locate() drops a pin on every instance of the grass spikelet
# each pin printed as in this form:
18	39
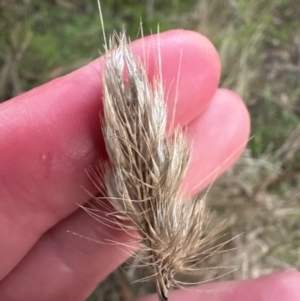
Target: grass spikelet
145	170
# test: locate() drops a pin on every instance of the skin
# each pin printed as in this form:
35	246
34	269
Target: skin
51	135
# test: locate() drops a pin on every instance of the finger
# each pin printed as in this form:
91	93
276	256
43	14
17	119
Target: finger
63	266
283	286
219	136
52	133
88	262
190	73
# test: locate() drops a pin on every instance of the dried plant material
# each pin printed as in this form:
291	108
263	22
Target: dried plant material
145	170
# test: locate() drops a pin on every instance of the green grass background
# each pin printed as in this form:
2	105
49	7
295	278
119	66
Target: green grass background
259	45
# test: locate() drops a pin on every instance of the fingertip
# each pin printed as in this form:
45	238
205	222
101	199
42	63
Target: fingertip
190	66
236	110
218	136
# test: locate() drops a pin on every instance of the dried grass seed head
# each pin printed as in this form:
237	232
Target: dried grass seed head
143	177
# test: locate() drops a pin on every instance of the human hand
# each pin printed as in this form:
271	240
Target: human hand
51	135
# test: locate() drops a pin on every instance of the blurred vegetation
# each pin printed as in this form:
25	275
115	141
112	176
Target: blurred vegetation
259	45
40	40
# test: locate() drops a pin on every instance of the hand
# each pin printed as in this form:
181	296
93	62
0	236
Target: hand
51	135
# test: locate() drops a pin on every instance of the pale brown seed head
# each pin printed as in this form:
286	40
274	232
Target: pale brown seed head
143	177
